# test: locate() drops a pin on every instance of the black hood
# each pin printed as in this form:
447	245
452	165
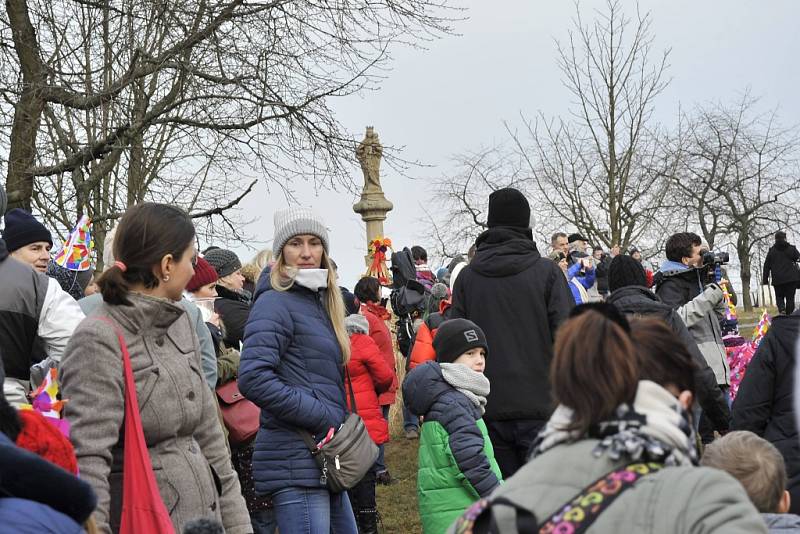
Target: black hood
636	299
423	385
504	251
3	250
781	245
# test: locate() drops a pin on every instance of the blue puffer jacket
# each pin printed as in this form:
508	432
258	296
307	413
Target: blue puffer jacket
291	368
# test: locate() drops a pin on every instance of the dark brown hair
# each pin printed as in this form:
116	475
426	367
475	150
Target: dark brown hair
146	234
663	357
368	289
680	245
594	369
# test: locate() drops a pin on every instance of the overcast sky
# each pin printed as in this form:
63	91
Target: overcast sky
454	96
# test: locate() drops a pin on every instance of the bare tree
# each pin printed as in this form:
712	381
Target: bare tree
737	170
598	166
107	103
461	201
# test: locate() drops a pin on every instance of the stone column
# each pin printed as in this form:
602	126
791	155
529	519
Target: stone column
373	205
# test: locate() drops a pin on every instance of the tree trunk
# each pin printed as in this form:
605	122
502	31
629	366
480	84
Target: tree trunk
744	260
28	110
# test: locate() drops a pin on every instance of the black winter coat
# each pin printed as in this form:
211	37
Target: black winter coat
781	262
519	299
25	475
764	403
640	301
601	275
234	309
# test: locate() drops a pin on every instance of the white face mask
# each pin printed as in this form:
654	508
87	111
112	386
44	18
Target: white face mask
313	279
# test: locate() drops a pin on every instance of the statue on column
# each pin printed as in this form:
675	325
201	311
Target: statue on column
373	205
369	153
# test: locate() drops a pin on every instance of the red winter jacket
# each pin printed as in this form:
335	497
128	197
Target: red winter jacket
369	375
377	316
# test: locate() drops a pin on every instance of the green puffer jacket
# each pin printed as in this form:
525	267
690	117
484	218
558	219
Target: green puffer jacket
456	459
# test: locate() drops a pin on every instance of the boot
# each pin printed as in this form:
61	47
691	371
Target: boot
367	521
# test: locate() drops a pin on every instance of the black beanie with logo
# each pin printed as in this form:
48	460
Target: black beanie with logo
455	337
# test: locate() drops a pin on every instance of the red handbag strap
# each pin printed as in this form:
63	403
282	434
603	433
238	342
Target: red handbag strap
142	505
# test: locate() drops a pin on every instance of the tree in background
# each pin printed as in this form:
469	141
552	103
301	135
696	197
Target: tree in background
737	174
108	103
598	168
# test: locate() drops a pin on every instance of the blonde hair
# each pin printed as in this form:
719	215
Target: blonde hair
754	462
253	269
282	279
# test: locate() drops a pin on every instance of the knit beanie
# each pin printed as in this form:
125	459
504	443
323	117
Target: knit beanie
455	337
297	221
22	229
223	261
204	274
45	440
625	271
508	207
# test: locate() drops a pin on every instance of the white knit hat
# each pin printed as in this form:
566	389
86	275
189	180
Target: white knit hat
297	221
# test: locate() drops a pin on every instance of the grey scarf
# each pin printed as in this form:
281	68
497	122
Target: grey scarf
471	383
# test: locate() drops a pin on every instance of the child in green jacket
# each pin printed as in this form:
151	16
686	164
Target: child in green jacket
456	460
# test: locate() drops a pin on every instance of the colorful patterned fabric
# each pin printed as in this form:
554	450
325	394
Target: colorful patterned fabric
583	510
76	252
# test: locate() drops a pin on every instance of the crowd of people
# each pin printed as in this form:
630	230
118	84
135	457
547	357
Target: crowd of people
575	390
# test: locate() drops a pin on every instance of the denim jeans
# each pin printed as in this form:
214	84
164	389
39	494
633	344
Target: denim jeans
410	421
264	521
380	463
313	511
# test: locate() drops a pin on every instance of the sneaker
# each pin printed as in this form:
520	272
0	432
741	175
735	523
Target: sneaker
412	433
385	478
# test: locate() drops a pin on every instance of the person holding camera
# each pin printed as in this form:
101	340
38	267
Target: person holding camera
683	284
781	262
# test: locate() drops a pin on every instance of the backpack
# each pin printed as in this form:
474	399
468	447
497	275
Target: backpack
408	303
403	268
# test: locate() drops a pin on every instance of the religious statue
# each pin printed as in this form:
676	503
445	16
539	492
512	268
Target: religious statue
369	154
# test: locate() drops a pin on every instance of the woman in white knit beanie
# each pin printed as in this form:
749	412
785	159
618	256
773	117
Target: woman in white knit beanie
295	348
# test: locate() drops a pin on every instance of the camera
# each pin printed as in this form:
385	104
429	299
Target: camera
715	258
712	262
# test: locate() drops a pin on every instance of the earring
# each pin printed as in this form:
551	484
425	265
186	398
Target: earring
166	278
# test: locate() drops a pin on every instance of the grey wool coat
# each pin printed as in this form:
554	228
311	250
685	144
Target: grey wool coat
187	447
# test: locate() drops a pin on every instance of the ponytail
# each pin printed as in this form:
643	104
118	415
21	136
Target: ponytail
146	234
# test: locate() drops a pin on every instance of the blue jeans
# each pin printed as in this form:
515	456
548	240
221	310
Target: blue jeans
410	421
313	511
380	463
264	521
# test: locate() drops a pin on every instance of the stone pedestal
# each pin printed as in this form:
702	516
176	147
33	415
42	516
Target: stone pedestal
373	205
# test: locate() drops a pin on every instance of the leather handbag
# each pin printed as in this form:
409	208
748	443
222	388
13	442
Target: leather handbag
241	417
346	458
143	508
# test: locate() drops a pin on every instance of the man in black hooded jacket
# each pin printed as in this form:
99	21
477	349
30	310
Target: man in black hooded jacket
518	299
765	401
629	293
782	261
